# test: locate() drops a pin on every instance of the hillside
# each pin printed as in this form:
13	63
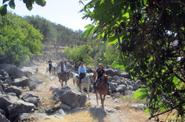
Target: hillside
56	33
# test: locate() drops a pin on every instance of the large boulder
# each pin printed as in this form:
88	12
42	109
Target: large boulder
6	100
34	82
13	89
19	107
69	97
21	82
29	71
3	118
12	70
31	98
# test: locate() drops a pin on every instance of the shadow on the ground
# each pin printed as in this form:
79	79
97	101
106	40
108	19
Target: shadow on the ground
98	113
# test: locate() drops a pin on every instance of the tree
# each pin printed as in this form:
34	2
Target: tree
151	34
11	4
55	33
18	39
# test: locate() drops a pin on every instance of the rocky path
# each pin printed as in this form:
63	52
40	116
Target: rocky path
116	110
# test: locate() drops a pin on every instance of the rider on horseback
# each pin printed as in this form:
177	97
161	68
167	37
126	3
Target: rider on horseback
82	72
50	65
100	73
63	66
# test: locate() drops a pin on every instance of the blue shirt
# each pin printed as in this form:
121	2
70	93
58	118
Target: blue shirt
82	69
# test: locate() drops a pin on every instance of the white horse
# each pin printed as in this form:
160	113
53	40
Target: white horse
86	83
75	78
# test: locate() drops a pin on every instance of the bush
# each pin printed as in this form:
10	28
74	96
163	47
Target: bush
140	94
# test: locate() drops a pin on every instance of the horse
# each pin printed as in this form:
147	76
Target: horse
53	69
102	90
86	83
75	78
63	77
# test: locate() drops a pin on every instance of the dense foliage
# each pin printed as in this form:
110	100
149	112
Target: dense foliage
18	39
56	33
11	4
151	34
95	52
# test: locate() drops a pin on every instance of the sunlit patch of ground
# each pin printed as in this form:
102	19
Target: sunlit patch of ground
83	116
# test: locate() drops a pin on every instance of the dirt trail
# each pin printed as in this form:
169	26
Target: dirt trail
116	110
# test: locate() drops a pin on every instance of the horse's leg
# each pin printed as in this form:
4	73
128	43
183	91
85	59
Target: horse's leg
101	98
80	87
62	83
88	90
97	98
73	81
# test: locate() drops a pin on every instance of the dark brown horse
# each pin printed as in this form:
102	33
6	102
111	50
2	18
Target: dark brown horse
102	90
64	77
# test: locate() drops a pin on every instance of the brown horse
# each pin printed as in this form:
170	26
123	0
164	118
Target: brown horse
64	77
102	89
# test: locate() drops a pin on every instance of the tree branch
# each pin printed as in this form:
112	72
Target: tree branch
169	110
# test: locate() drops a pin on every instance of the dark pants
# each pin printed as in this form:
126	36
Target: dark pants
81	76
50	67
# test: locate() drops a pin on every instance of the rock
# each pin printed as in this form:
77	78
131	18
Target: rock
121	88
116	78
110	110
113	86
3	75
32	117
112	72
29	71
60	112
69	97
130	87
138	106
66	107
12	94
1	88
3	118
12	70
125	75
2	112
31	99
13	89
28	74
22	82
34	82
19	107
6	100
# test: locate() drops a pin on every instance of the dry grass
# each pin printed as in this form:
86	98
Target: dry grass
82	116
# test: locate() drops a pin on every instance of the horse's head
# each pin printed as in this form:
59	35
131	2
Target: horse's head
105	78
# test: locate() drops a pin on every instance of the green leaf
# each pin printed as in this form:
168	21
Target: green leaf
12	4
89	30
3	9
41	2
29	6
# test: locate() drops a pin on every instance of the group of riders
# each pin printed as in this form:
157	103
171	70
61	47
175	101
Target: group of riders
82	71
